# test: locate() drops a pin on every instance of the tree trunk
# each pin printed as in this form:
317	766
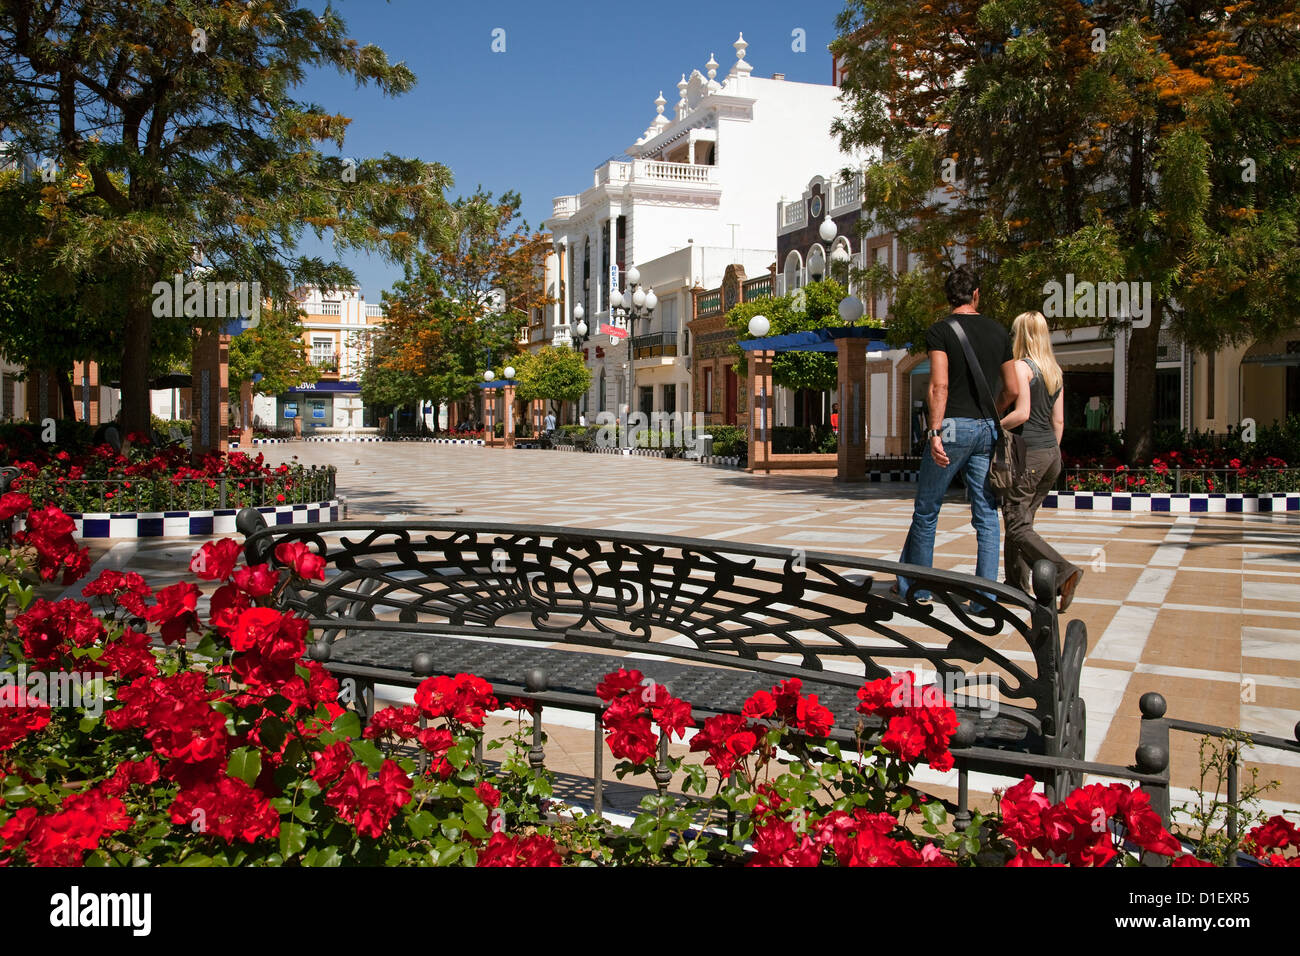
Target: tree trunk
63	378
1140	402
135	366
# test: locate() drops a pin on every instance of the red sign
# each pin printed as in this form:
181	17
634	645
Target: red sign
613	330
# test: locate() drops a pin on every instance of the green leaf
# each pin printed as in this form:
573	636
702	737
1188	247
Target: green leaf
293	837
347	725
245	764
934	813
421	824
368	754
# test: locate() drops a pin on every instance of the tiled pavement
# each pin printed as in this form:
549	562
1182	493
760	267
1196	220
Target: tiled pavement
1204	609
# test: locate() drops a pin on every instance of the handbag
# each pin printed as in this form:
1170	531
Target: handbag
1008	447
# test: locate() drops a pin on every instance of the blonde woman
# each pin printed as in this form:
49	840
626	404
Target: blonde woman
1039	417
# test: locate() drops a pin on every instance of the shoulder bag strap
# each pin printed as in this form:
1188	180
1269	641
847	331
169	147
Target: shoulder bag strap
977	373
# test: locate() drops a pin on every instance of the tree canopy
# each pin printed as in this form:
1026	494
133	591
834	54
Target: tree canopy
181	116
814	306
1112	142
555	374
460	307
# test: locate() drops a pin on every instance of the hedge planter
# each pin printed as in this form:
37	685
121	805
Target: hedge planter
1173	503
182	524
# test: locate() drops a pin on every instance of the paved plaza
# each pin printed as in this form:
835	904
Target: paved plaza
1204	609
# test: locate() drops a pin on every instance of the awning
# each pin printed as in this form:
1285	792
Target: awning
326	387
816	340
1276	359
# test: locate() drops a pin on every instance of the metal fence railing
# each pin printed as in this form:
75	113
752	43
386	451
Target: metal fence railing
1180	480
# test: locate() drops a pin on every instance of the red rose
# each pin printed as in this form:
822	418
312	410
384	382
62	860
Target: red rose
216	560
505	850
619	682
20	715
228	808
331	762
257	580
728	738
400	722
129	656
304	562
367	804
488	794
464	698
14	503
130	773
760	705
1276	833
175	612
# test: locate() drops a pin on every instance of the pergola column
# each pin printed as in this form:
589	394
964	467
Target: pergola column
211	367
852	367
760	409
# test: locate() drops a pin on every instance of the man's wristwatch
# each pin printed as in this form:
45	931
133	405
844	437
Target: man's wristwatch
933	433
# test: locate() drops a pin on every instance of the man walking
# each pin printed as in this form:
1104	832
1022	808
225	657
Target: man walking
548	424
961	435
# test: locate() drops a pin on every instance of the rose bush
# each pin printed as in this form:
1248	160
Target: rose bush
217	744
150	479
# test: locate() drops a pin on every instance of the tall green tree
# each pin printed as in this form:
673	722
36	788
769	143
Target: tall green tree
553	374
275	351
182	116
1147	142
814	306
460	308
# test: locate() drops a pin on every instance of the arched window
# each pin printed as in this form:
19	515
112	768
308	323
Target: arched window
793	271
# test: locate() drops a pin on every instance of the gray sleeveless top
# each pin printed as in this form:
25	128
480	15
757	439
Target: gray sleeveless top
1038	431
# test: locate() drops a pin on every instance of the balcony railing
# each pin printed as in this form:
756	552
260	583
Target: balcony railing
564	206
710	303
756	288
325	363
330	308
794	213
654	344
847	192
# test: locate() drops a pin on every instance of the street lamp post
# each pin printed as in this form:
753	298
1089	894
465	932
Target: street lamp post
577	335
637	303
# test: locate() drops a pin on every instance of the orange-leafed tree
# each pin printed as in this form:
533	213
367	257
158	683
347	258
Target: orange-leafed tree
1108	141
460	308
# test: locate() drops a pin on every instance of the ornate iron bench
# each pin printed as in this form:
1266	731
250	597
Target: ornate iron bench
538	612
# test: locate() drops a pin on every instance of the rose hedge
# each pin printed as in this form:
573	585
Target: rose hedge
234	751
145	479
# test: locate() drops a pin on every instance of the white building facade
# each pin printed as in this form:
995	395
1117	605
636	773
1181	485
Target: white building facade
695	195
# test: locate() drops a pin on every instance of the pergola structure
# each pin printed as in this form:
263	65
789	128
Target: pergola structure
507	388
851	343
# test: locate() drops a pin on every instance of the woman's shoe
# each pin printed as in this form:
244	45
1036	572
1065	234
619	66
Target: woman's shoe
1068	589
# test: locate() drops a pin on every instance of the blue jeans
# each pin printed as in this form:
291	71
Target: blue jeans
970	452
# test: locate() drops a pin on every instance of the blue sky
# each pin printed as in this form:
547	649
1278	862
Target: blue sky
575	85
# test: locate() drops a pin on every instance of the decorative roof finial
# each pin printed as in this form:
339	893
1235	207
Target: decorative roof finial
712	66
741	66
681	92
660	121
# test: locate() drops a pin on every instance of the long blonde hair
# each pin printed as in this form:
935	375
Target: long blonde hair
1031	338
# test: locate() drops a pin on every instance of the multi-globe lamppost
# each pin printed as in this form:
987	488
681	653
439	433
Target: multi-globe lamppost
637	303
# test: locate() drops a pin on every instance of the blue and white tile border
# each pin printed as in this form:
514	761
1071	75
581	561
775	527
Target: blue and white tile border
1171	503
181	524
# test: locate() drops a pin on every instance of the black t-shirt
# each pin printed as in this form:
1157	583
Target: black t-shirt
992	347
